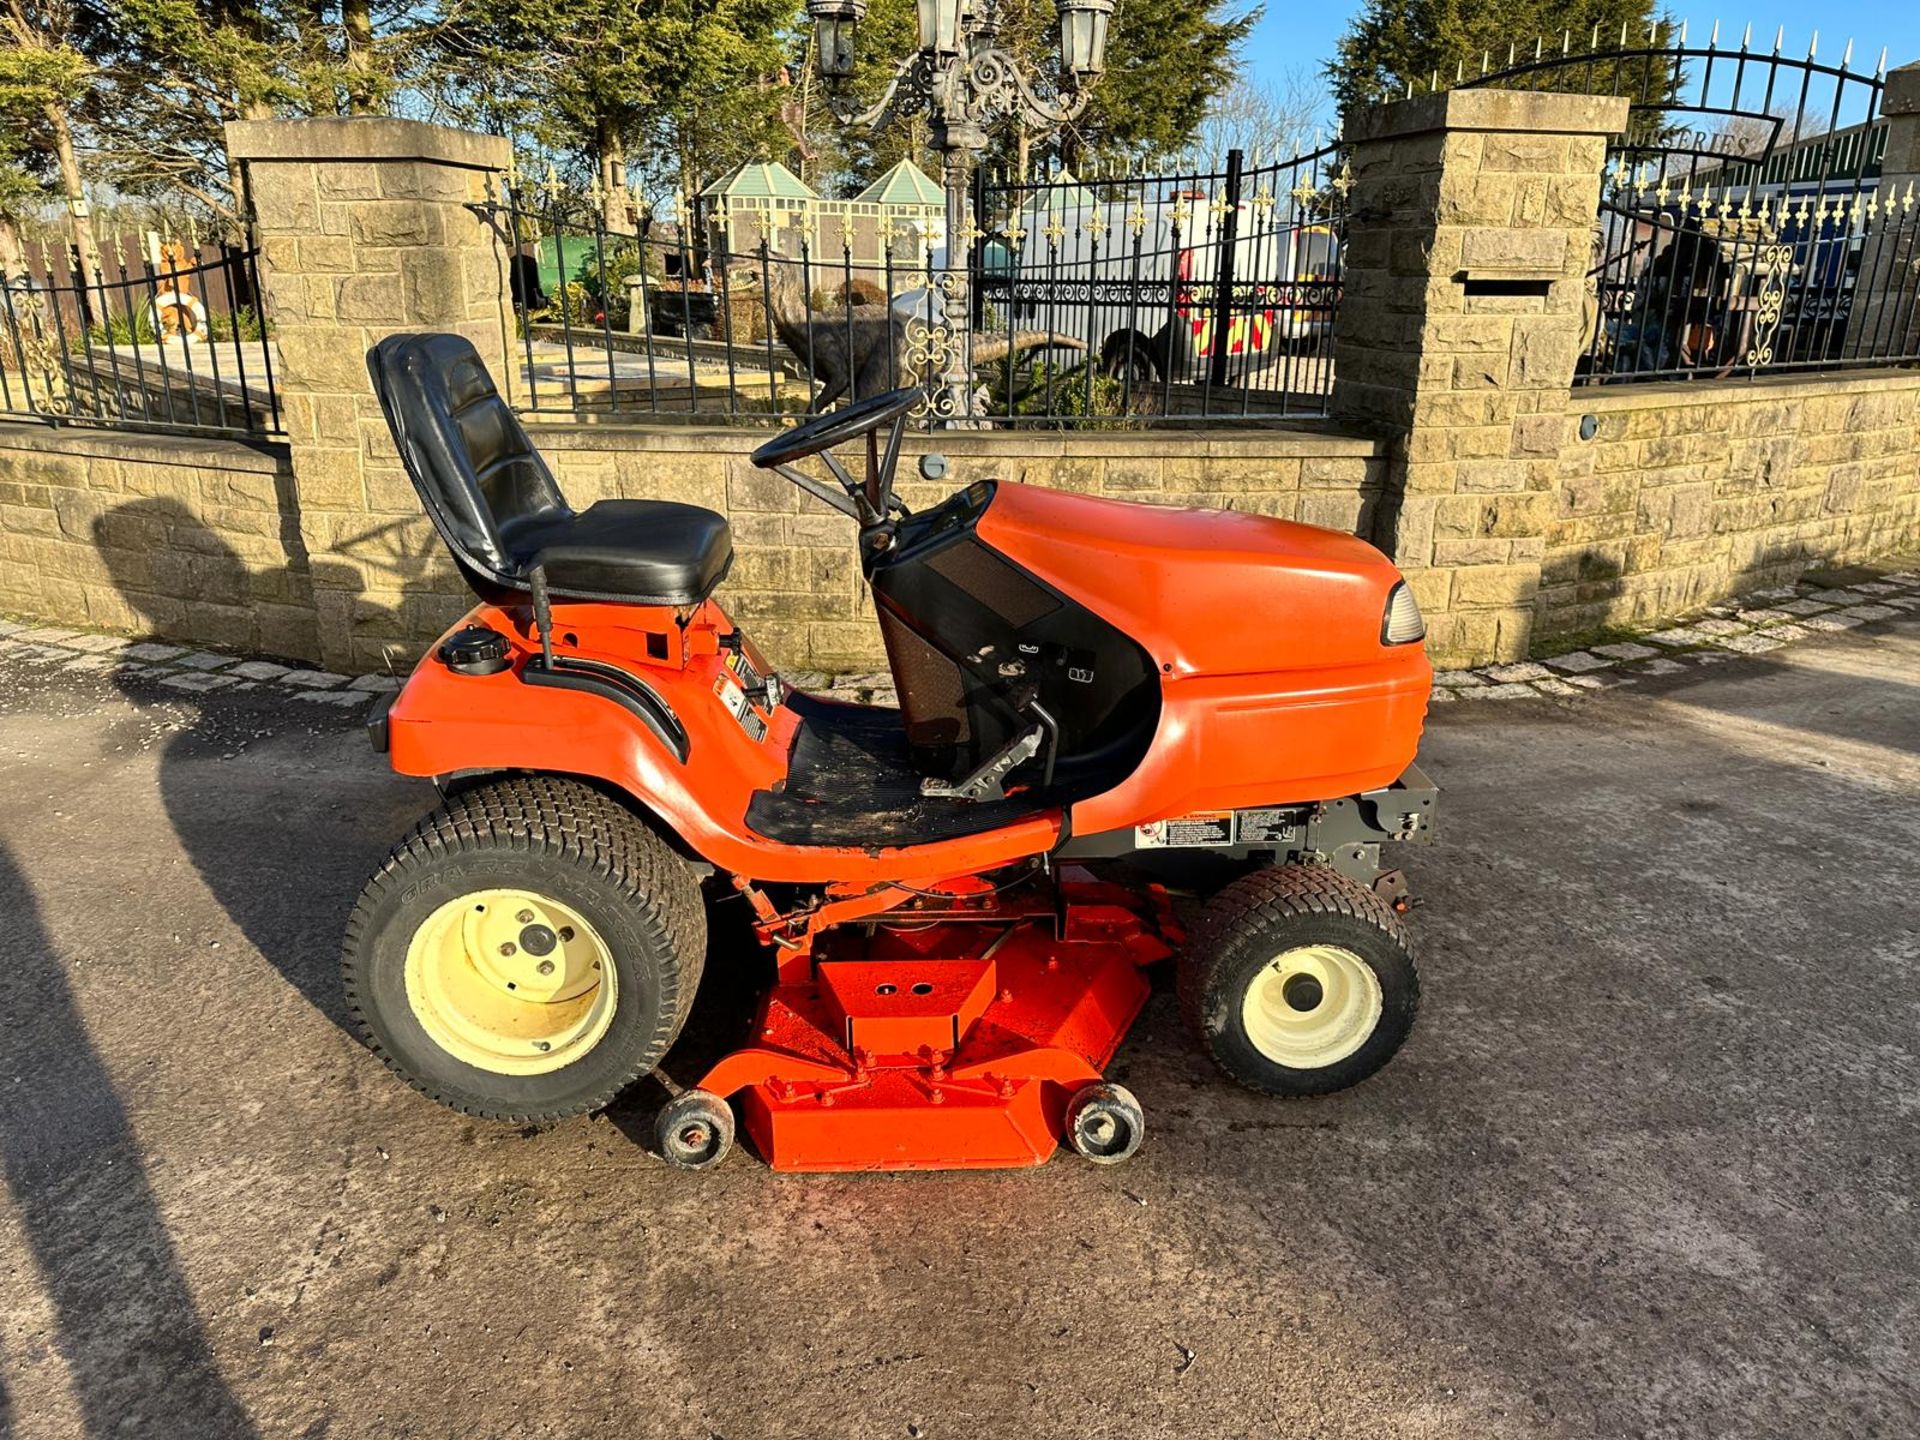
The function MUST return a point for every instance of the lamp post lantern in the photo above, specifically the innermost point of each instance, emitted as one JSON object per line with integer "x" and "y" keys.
{"x": 964, "y": 82}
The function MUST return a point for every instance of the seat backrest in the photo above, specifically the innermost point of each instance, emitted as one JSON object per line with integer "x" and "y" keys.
{"x": 478, "y": 474}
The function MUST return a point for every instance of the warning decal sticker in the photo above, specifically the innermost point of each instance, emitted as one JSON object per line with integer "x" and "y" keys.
{"x": 1204, "y": 827}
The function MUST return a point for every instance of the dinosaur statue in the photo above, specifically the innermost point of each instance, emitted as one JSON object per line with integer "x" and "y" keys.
{"x": 867, "y": 349}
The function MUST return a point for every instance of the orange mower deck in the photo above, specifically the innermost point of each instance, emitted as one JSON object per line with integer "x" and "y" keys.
{"x": 949, "y": 1043}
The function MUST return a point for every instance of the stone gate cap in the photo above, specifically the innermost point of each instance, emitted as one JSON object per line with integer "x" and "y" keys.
{"x": 364, "y": 137}
{"x": 1540, "y": 112}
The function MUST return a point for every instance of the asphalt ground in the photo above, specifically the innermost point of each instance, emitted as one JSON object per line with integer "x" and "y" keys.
{"x": 1646, "y": 1168}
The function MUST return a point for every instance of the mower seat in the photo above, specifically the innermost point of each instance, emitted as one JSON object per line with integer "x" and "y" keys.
{"x": 496, "y": 505}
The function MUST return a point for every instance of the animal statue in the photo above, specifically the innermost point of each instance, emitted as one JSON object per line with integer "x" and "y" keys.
{"x": 868, "y": 349}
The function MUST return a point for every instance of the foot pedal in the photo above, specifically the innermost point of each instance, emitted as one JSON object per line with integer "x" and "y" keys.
{"x": 989, "y": 781}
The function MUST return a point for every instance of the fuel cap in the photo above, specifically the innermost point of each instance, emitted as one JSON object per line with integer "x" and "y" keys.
{"x": 475, "y": 650}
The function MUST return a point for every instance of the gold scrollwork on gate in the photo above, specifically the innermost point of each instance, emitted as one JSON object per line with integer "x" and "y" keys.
{"x": 929, "y": 348}
{"x": 1770, "y": 300}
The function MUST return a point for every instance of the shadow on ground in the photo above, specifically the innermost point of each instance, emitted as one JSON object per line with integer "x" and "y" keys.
{"x": 288, "y": 886}
{"x": 124, "y": 1321}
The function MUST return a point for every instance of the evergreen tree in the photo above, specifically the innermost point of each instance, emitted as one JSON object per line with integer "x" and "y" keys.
{"x": 43, "y": 78}
{"x": 1392, "y": 44}
{"x": 669, "y": 93}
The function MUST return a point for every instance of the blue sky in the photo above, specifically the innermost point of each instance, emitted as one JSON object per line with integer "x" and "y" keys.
{"x": 1293, "y": 36}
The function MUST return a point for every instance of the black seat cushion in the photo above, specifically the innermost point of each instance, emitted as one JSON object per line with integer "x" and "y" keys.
{"x": 496, "y": 505}
{"x": 648, "y": 552}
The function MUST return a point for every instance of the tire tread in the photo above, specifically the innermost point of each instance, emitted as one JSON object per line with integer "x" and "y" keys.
{"x": 1270, "y": 897}
{"x": 570, "y": 820}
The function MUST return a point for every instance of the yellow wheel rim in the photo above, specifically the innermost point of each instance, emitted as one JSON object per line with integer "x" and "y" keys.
{"x": 1311, "y": 1007}
{"x": 511, "y": 982}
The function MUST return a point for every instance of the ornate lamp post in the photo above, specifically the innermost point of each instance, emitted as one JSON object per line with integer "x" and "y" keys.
{"x": 964, "y": 82}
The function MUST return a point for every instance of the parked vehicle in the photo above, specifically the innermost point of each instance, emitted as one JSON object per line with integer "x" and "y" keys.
{"x": 1142, "y": 286}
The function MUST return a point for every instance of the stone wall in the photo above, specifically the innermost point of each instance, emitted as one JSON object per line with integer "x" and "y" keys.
{"x": 367, "y": 229}
{"x": 206, "y": 541}
{"x": 189, "y": 538}
{"x": 1459, "y": 328}
{"x": 1456, "y": 445}
{"x": 796, "y": 584}
{"x": 1685, "y": 494}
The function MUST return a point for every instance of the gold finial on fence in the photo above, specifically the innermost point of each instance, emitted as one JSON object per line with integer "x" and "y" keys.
{"x": 1263, "y": 200}
{"x": 1137, "y": 221}
{"x": 1055, "y": 232}
{"x": 1180, "y": 213}
{"x": 1096, "y": 226}
{"x": 1304, "y": 196}
{"x": 1342, "y": 181}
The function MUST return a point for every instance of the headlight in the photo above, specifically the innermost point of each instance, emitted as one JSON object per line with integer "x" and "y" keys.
{"x": 1402, "y": 624}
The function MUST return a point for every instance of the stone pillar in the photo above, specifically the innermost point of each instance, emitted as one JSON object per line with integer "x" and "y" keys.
{"x": 366, "y": 230}
{"x": 1886, "y": 318}
{"x": 1472, "y": 221}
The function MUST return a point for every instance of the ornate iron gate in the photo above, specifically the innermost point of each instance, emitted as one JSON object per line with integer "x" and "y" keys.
{"x": 1742, "y": 225}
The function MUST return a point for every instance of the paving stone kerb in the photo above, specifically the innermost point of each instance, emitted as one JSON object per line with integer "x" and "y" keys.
{"x": 1460, "y": 325}
{"x": 367, "y": 229}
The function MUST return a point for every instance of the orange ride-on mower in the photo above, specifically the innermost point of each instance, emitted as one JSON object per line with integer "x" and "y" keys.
{"x": 954, "y": 895}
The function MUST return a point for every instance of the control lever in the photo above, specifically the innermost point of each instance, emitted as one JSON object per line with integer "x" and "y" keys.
{"x": 989, "y": 781}
{"x": 766, "y": 693}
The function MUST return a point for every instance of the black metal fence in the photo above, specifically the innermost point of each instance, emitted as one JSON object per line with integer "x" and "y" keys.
{"x": 1743, "y": 228}
{"x": 1123, "y": 299}
{"x": 150, "y": 334}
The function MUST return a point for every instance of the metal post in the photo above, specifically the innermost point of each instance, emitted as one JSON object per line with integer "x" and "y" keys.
{"x": 1227, "y": 239}
{"x": 959, "y": 142}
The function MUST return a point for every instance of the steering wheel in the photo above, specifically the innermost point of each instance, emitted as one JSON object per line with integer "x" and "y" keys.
{"x": 868, "y": 503}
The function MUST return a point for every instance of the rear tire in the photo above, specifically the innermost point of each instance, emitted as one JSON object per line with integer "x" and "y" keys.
{"x": 529, "y": 950}
{"x": 1298, "y": 981}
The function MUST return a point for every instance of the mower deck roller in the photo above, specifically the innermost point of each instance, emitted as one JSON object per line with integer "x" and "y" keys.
{"x": 958, "y": 897}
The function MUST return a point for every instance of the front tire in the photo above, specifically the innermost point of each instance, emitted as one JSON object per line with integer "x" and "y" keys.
{"x": 1299, "y": 981}
{"x": 526, "y": 952}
